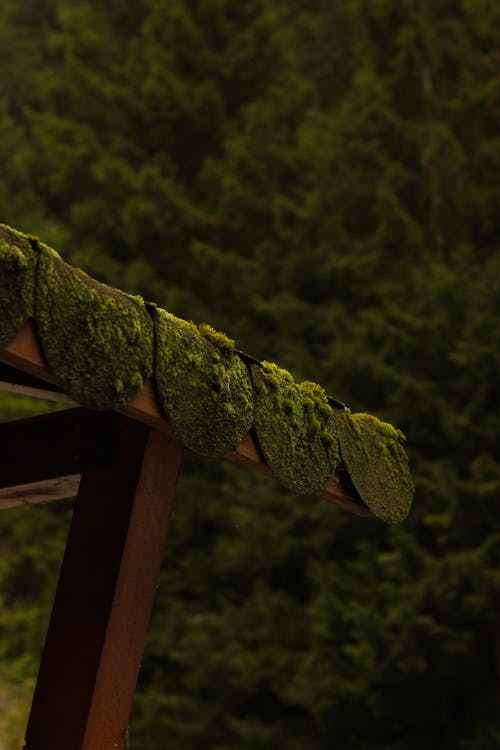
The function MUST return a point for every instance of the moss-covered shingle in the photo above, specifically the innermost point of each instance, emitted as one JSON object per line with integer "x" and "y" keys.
{"x": 296, "y": 429}
{"x": 97, "y": 340}
{"x": 377, "y": 464}
{"x": 204, "y": 387}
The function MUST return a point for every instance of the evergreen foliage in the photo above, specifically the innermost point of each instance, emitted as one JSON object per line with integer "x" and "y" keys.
{"x": 319, "y": 179}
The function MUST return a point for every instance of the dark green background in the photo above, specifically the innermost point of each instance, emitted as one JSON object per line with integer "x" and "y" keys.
{"x": 319, "y": 179}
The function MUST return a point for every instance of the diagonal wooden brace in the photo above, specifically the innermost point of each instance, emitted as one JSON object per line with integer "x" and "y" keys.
{"x": 103, "y": 602}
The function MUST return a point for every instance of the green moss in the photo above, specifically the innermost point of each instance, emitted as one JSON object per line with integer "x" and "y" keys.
{"x": 295, "y": 427}
{"x": 218, "y": 339}
{"x": 377, "y": 464}
{"x": 204, "y": 387}
{"x": 97, "y": 340}
{"x": 276, "y": 375}
{"x": 17, "y": 282}
{"x": 102, "y": 344}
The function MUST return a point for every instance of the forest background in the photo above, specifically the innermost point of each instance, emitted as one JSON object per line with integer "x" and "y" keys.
{"x": 318, "y": 179}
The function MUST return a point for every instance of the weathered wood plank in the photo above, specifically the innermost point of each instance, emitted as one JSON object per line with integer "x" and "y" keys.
{"x": 35, "y": 493}
{"x": 16, "y": 381}
{"x": 103, "y": 602}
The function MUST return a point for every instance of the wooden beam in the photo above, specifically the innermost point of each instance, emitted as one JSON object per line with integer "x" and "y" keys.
{"x": 16, "y": 381}
{"x": 24, "y": 353}
{"x": 56, "y": 445}
{"x": 35, "y": 493}
{"x": 104, "y": 597}
{"x": 43, "y": 457}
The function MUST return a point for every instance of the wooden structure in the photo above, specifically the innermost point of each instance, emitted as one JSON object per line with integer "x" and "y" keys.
{"x": 122, "y": 465}
{"x": 23, "y": 370}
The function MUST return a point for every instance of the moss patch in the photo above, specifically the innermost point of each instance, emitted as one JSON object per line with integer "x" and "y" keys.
{"x": 204, "y": 388}
{"x": 97, "y": 340}
{"x": 17, "y": 282}
{"x": 296, "y": 429}
{"x": 377, "y": 464}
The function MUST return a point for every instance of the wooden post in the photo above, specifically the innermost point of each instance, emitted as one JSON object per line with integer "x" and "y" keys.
{"x": 103, "y": 602}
